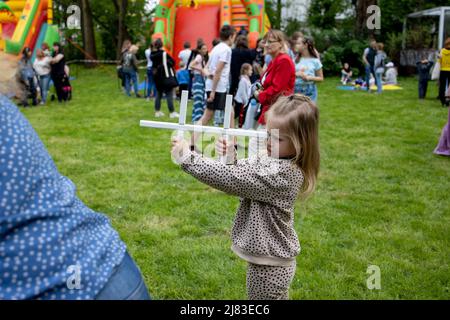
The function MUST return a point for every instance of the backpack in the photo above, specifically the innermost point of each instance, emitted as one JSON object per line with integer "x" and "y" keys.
{"x": 167, "y": 74}
{"x": 127, "y": 61}
{"x": 379, "y": 64}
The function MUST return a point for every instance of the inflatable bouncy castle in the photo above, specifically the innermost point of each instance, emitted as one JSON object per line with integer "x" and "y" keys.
{"x": 26, "y": 23}
{"x": 178, "y": 21}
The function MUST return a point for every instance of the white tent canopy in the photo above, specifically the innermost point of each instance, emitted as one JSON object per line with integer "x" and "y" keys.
{"x": 440, "y": 12}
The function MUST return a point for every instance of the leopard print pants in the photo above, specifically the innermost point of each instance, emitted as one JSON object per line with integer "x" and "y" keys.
{"x": 269, "y": 282}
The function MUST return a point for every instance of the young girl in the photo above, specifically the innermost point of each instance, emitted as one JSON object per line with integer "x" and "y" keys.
{"x": 346, "y": 74}
{"x": 380, "y": 60}
{"x": 197, "y": 67}
{"x": 308, "y": 69}
{"x": 43, "y": 68}
{"x": 263, "y": 233}
{"x": 243, "y": 92}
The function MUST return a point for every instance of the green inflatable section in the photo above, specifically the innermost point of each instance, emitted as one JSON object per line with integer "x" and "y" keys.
{"x": 4, "y": 6}
{"x": 15, "y": 47}
{"x": 52, "y": 35}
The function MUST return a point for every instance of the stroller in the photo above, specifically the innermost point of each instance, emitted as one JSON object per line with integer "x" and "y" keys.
{"x": 29, "y": 87}
{"x": 67, "y": 88}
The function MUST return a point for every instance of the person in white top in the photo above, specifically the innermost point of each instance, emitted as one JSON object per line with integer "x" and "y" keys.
{"x": 150, "y": 90}
{"x": 217, "y": 72}
{"x": 243, "y": 92}
{"x": 186, "y": 53}
{"x": 391, "y": 74}
{"x": 43, "y": 68}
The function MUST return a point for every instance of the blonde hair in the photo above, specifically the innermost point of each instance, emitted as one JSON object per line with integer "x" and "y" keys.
{"x": 245, "y": 68}
{"x": 8, "y": 76}
{"x": 300, "y": 117}
{"x": 40, "y": 53}
{"x": 134, "y": 49}
{"x": 278, "y": 36}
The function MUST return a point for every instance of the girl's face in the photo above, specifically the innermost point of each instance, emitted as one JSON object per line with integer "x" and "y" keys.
{"x": 204, "y": 50}
{"x": 298, "y": 45}
{"x": 346, "y": 65}
{"x": 278, "y": 142}
{"x": 301, "y": 46}
{"x": 250, "y": 71}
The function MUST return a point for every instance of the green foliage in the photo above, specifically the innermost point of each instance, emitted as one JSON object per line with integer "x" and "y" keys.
{"x": 137, "y": 20}
{"x": 394, "y": 12}
{"x": 338, "y": 46}
{"x": 272, "y": 13}
{"x": 293, "y": 25}
{"x": 381, "y": 199}
{"x": 322, "y": 13}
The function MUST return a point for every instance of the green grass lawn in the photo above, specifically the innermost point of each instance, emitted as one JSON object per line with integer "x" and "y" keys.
{"x": 382, "y": 197}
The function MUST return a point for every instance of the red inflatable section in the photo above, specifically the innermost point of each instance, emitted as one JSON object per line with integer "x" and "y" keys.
{"x": 192, "y": 24}
{"x": 8, "y": 30}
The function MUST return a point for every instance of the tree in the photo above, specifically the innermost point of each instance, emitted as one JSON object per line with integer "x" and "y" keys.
{"x": 87, "y": 28}
{"x": 322, "y": 13}
{"x": 361, "y": 14}
{"x": 274, "y": 12}
{"x": 279, "y": 8}
{"x": 121, "y": 9}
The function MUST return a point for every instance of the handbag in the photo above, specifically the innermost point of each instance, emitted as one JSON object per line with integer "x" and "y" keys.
{"x": 169, "y": 80}
{"x": 436, "y": 71}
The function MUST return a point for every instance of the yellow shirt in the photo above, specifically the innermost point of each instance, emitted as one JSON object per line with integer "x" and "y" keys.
{"x": 445, "y": 60}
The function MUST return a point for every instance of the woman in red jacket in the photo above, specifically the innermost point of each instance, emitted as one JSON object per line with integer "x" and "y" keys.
{"x": 279, "y": 78}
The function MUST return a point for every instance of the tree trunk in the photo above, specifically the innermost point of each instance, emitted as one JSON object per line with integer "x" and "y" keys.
{"x": 121, "y": 8}
{"x": 87, "y": 28}
{"x": 279, "y": 8}
{"x": 361, "y": 15}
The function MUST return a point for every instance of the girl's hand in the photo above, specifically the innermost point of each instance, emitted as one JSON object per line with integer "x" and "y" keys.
{"x": 212, "y": 96}
{"x": 226, "y": 149}
{"x": 222, "y": 146}
{"x": 205, "y": 72}
{"x": 180, "y": 147}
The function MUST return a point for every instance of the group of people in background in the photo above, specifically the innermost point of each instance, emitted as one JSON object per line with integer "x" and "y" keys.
{"x": 277, "y": 65}
{"x": 256, "y": 77}
{"x": 378, "y": 69}
{"x": 443, "y": 147}
{"x": 36, "y": 77}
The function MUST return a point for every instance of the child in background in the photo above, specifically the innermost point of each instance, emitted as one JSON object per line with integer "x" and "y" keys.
{"x": 308, "y": 69}
{"x": 183, "y": 79}
{"x": 243, "y": 92}
{"x": 390, "y": 76}
{"x": 379, "y": 66}
{"x": 27, "y": 78}
{"x": 130, "y": 71}
{"x": 346, "y": 74}
{"x": 268, "y": 186}
{"x": 423, "y": 69}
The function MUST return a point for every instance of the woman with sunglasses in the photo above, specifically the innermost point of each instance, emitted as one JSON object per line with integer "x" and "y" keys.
{"x": 279, "y": 78}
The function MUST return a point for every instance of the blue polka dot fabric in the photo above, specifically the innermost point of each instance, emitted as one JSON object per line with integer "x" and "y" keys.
{"x": 52, "y": 246}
